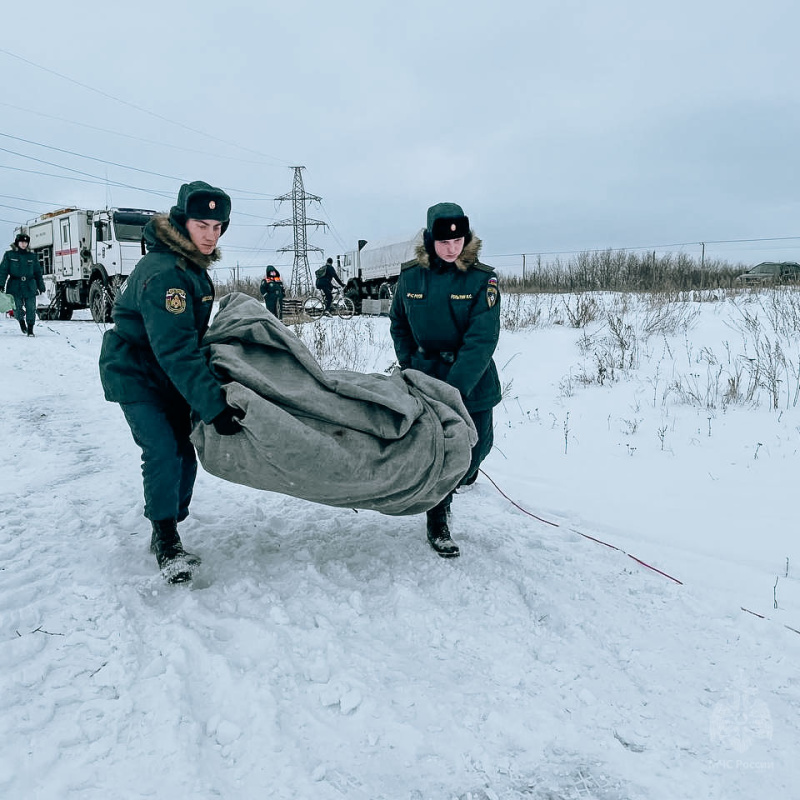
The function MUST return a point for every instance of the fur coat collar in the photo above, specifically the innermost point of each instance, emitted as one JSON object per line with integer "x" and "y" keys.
{"x": 468, "y": 258}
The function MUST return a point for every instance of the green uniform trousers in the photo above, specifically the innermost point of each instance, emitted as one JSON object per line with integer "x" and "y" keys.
{"x": 169, "y": 462}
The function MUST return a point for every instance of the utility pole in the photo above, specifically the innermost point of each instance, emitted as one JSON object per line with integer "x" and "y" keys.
{"x": 300, "y": 283}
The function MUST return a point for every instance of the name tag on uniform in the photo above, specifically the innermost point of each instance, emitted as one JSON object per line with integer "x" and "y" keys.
{"x": 461, "y": 297}
{"x": 415, "y": 296}
{"x": 207, "y": 298}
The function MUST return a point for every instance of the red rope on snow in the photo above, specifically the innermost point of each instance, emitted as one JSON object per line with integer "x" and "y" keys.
{"x": 580, "y": 533}
{"x": 655, "y": 569}
{"x": 613, "y": 547}
{"x": 599, "y": 541}
{"x": 516, "y": 505}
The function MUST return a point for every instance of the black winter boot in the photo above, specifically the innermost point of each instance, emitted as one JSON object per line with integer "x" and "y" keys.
{"x": 30, "y": 329}
{"x": 439, "y": 534}
{"x": 175, "y": 563}
{"x": 22, "y": 326}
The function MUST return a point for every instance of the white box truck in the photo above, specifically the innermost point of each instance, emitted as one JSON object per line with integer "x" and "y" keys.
{"x": 85, "y": 256}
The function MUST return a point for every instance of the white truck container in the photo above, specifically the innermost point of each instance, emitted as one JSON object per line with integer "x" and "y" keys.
{"x": 85, "y": 256}
{"x": 371, "y": 271}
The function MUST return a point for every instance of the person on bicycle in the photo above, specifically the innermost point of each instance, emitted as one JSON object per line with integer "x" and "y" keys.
{"x": 445, "y": 322}
{"x": 326, "y": 275}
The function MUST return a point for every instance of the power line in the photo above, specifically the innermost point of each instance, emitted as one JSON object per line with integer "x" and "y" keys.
{"x": 17, "y": 208}
{"x": 100, "y": 181}
{"x": 62, "y": 120}
{"x": 30, "y": 200}
{"x": 336, "y": 235}
{"x": 106, "y": 181}
{"x": 140, "y": 108}
{"x": 115, "y": 164}
{"x": 168, "y": 195}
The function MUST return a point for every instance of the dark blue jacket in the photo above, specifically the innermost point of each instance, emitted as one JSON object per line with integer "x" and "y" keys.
{"x": 325, "y": 281}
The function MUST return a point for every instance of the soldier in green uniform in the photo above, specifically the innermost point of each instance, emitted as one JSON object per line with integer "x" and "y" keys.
{"x": 151, "y": 362}
{"x": 21, "y": 275}
{"x": 445, "y": 322}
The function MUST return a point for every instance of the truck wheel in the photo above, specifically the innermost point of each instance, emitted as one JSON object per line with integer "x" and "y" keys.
{"x": 99, "y": 303}
{"x": 59, "y": 308}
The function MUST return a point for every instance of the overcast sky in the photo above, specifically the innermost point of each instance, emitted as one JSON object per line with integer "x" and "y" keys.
{"x": 558, "y": 126}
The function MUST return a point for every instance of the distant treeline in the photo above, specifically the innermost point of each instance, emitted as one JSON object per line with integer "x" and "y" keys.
{"x": 608, "y": 270}
{"x": 624, "y": 271}
{"x": 246, "y": 285}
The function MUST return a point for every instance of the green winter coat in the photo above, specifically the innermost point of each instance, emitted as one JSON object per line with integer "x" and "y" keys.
{"x": 160, "y": 316}
{"x": 22, "y": 270}
{"x": 445, "y": 322}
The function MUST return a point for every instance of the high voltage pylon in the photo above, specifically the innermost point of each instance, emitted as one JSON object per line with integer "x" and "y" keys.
{"x": 300, "y": 283}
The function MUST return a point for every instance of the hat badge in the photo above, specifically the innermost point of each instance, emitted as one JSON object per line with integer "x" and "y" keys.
{"x": 452, "y": 226}
{"x": 212, "y": 204}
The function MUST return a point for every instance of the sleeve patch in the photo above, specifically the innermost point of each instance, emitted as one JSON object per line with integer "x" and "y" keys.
{"x": 491, "y": 295}
{"x": 176, "y": 301}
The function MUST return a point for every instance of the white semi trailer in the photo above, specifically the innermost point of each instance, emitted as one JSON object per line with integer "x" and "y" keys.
{"x": 372, "y": 270}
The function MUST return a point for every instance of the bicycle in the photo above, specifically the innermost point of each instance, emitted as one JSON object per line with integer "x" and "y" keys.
{"x": 341, "y": 306}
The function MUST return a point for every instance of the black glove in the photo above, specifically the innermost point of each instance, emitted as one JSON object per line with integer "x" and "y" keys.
{"x": 227, "y": 422}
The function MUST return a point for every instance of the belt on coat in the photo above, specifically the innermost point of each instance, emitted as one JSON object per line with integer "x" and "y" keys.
{"x": 448, "y": 356}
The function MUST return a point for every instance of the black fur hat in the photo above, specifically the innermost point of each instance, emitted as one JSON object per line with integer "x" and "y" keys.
{"x": 447, "y": 221}
{"x": 199, "y": 200}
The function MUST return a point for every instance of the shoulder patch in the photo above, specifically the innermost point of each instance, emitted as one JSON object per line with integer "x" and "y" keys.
{"x": 176, "y": 301}
{"x": 491, "y": 292}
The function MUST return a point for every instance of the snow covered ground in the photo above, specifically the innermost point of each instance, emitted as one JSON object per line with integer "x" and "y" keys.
{"x": 325, "y": 653}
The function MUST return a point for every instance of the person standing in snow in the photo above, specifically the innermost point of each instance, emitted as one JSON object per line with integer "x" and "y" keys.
{"x": 273, "y": 291}
{"x": 445, "y": 322}
{"x": 151, "y": 362}
{"x": 326, "y": 275}
{"x": 23, "y": 272}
